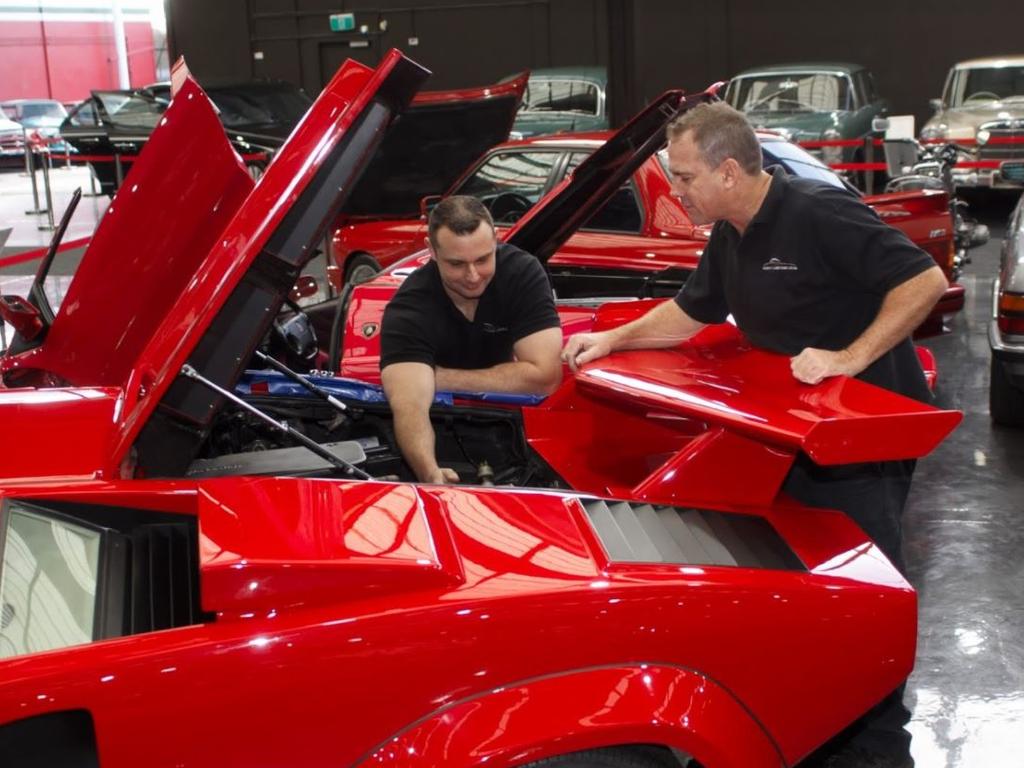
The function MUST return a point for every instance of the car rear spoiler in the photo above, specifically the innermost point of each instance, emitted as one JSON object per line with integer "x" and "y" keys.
{"x": 745, "y": 417}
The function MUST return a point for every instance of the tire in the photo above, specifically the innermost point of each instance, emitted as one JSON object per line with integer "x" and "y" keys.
{"x": 1005, "y": 401}
{"x": 615, "y": 757}
{"x": 360, "y": 267}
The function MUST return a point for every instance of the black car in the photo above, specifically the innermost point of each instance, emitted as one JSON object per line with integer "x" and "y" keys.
{"x": 113, "y": 125}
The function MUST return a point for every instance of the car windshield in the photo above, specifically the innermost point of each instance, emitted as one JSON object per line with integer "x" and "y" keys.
{"x": 241, "y": 106}
{"x": 40, "y": 109}
{"x": 544, "y": 95}
{"x": 131, "y": 110}
{"x": 990, "y": 84}
{"x": 793, "y": 92}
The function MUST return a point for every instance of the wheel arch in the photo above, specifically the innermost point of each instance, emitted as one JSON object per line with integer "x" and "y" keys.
{"x": 639, "y": 704}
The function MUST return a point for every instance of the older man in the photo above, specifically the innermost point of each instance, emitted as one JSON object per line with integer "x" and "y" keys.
{"x": 478, "y": 316}
{"x": 807, "y": 270}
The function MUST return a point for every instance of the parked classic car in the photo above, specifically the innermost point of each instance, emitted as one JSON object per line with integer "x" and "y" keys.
{"x": 12, "y": 141}
{"x": 641, "y": 243}
{"x": 159, "y": 605}
{"x": 1006, "y": 329}
{"x": 982, "y": 108}
{"x": 561, "y": 100}
{"x": 257, "y": 115}
{"x": 43, "y": 116}
{"x": 811, "y": 102}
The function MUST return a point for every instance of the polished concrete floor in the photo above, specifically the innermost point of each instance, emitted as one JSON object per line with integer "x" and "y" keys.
{"x": 964, "y": 525}
{"x": 964, "y": 542}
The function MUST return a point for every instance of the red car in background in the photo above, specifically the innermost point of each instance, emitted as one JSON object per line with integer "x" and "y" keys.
{"x": 640, "y": 243}
{"x": 177, "y": 576}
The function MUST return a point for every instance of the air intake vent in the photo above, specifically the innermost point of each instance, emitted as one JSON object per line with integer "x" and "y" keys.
{"x": 644, "y": 533}
{"x": 164, "y": 588}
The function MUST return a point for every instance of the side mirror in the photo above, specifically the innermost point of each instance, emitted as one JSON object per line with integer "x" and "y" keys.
{"x": 305, "y": 287}
{"x": 880, "y": 124}
{"x": 22, "y": 316}
{"x": 428, "y": 203}
{"x": 937, "y": 104}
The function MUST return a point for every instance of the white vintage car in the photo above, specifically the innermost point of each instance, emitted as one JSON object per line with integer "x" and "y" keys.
{"x": 982, "y": 109}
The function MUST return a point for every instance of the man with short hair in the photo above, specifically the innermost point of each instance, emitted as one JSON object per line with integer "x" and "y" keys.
{"x": 478, "y": 317}
{"x": 807, "y": 270}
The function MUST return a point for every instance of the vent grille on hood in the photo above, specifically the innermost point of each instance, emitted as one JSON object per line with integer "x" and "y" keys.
{"x": 646, "y": 533}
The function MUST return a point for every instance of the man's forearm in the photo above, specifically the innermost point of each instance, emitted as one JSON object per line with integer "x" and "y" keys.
{"x": 416, "y": 440}
{"x": 902, "y": 310}
{"x": 515, "y": 377}
{"x": 664, "y": 326}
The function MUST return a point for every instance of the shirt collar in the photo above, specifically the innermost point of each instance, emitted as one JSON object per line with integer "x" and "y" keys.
{"x": 773, "y": 199}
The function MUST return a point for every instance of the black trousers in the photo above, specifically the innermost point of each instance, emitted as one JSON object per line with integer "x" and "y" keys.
{"x": 873, "y": 496}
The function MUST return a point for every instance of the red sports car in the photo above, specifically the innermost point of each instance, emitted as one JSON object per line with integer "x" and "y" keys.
{"x": 188, "y": 578}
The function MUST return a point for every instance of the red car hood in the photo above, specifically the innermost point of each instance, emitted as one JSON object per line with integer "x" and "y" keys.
{"x": 192, "y": 262}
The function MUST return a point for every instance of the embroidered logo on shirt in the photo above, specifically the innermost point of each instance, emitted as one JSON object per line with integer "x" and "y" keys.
{"x": 491, "y": 328}
{"x": 776, "y": 265}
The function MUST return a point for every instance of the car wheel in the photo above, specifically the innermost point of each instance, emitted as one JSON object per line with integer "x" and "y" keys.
{"x": 360, "y": 267}
{"x": 1005, "y": 401}
{"x": 616, "y": 757}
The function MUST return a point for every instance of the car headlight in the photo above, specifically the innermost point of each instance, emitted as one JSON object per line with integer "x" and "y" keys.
{"x": 831, "y": 155}
{"x": 937, "y": 131}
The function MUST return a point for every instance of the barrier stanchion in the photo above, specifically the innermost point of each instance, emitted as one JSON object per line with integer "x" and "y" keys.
{"x": 30, "y": 169}
{"x": 118, "y": 171}
{"x": 49, "y": 195}
{"x": 869, "y": 158}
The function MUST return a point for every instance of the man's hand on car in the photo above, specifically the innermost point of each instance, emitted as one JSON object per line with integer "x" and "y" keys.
{"x": 812, "y": 366}
{"x": 584, "y": 347}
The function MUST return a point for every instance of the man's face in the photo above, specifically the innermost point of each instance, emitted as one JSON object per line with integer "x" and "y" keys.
{"x": 466, "y": 262}
{"x": 700, "y": 189}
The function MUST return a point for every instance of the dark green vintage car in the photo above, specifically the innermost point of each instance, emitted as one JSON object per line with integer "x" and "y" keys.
{"x": 561, "y": 100}
{"x": 810, "y": 102}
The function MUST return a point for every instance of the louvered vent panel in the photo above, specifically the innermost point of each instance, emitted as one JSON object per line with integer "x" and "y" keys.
{"x": 644, "y": 533}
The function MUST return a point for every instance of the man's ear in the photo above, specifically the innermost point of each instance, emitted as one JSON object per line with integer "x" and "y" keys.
{"x": 730, "y": 172}
{"x": 430, "y": 247}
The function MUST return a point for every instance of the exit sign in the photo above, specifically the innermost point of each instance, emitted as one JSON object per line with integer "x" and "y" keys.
{"x": 343, "y": 22}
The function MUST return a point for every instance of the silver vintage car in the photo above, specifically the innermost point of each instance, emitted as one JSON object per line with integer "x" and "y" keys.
{"x": 982, "y": 109}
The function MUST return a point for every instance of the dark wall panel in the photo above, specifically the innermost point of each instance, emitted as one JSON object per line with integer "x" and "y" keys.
{"x": 474, "y": 42}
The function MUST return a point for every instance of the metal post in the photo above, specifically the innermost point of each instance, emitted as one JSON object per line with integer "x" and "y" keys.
{"x": 49, "y": 196}
{"x": 118, "y": 171}
{"x": 869, "y": 157}
{"x": 30, "y": 169}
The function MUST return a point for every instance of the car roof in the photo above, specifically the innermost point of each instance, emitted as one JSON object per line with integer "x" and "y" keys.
{"x": 991, "y": 62}
{"x": 13, "y": 102}
{"x": 596, "y": 73}
{"x": 844, "y": 67}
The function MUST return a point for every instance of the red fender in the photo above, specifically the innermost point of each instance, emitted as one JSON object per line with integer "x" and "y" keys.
{"x": 544, "y": 717}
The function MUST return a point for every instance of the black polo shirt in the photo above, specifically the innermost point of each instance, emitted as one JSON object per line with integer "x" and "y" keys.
{"x": 811, "y": 270}
{"x": 422, "y": 325}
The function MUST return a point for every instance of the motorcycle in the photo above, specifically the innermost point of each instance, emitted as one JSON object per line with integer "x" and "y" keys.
{"x": 913, "y": 166}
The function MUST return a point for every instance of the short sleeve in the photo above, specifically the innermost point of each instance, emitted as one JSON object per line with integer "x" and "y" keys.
{"x": 403, "y": 335}
{"x": 702, "y": 296}
{"x": 874, "y": 255}
{"x": 533, "y": 302}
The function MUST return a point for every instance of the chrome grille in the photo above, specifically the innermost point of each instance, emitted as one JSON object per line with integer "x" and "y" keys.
{"x": 999, "y": 130}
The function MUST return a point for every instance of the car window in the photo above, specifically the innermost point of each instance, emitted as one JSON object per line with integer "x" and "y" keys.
{"x": 986, "y": 84}
{"x": 560, "y": 96}
{"x": 797, "y": 92}
{"x": 798, "y": 162}
{"x": 36, "y": 110}
{"x": 84, "y": 114}
{"x": 620, "y": 214}
{"x": 509, "y": 183}
{"x": 872, "y": 89}
{"x": 131, "y": 110}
